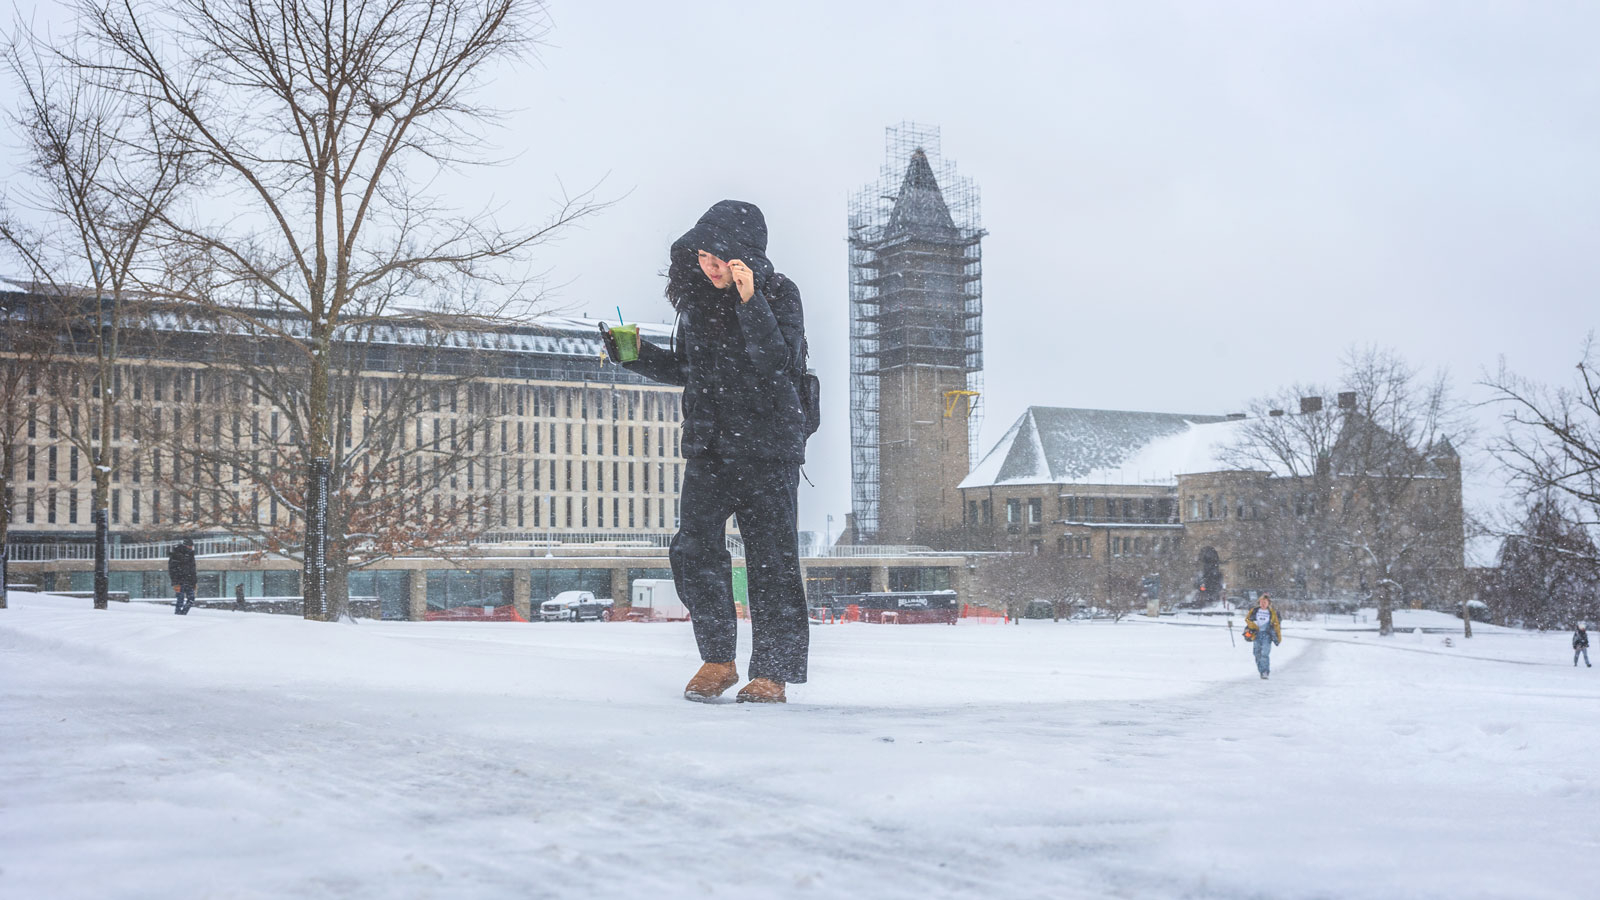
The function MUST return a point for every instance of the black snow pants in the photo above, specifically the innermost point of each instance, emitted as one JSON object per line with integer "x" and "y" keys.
{"x": 762, "y": 493}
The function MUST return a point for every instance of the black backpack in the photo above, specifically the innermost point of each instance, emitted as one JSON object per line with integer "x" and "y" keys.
{"x": 806, "y": 383}
{"x": 810, "y": 390}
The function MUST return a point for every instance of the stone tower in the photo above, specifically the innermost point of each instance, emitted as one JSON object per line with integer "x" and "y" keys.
{"x": 916, "y": 345}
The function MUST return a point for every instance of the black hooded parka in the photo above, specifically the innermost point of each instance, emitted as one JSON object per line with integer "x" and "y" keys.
{"x": 743, "y": 441}
{"x": 180, "y": 566}
{"x": 736, "y": 361}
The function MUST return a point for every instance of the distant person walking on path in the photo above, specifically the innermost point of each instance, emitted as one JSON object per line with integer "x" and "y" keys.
{"x": 180, "y": 568}
{"x": 1263, "y": 631}
{"x": 1580, "y": 644}
{"x": 738, "y": 352}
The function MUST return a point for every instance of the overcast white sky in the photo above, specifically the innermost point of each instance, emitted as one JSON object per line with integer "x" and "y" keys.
{"x": 1189, "y": 204}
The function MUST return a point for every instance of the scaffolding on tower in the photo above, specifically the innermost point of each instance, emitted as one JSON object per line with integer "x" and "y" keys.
{"x": 873, "y": 232}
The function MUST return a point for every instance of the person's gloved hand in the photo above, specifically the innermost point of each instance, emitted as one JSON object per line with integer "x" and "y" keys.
{"x": 610, "y": 342}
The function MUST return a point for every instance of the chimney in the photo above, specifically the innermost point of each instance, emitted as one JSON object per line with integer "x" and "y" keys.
{"x": 1347, "y": 400}
{"x": 1275, "y": 413}
{"x": 1310, "y": 405}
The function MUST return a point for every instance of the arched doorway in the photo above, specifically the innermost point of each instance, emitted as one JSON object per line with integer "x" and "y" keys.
{"x": 1209, "y": 580}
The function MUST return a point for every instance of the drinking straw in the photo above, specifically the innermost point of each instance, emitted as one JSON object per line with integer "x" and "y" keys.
{"x": 619, "y": 316}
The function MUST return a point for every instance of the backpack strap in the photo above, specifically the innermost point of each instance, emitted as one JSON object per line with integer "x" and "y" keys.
{"x": 775, "y": 283}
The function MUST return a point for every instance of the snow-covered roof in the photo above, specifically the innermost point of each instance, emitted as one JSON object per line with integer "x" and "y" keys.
{"x": 549, "y": 335}
{"x": 1050, "y": 445}
{"x": 1199, "y": 448}
{"x": 553, "y": 335}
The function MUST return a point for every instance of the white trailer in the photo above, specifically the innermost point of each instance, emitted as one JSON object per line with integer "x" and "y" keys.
{"x": 656, "y": 600}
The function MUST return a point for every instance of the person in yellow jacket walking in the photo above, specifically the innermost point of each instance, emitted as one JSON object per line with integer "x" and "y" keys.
{"x": 1262, "y": 629}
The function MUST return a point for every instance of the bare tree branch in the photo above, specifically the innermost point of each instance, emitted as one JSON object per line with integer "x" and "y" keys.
{"x": 323, "y": 123}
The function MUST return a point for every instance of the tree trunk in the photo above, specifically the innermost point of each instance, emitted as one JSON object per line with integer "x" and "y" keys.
{"x": 1385, "y": 608}
{"x": 338, "y": 590}
{"x": 1466, "y": 618}
{"x": 102, "y": 567}
{"x": 102, "y": 498}
{"x": 317, "y": 442}
{"x": 7, "y": 491}
{"x": 314, "y": 577}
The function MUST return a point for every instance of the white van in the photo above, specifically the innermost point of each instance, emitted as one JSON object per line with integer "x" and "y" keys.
{"x": 656, "y": 600}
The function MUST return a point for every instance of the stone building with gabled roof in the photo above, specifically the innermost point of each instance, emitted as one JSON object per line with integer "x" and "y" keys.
{"x": 1133, "y": 503}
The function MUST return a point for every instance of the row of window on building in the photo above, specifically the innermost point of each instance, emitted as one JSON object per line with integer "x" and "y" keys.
{"x": 197, "y": 386}
{"x": 516, "y": 478}
{"x": 1205, "y": 507}
{"x": 1030, "y": 511}
{"x": 435, "y": 433}
{"x": 53, "y": 471}
{"x": 147, "y": 508}
{"x": 1082, "y": 545}
{"x": 1149, "y": 510}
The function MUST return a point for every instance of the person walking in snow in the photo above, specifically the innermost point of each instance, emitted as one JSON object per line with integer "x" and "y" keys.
{"x": 181, "y": 569}
{"x": 1580, "y": 644}
{"x": 737, "y": 351}
{"x": 1263, "y": 631}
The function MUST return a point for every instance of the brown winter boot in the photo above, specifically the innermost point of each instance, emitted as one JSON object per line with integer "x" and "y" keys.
{"x": 762, "y": 690}
{"x": 709, "y": 683}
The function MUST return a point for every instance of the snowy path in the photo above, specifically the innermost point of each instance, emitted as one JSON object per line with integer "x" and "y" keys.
{"x": 248, "y": 756}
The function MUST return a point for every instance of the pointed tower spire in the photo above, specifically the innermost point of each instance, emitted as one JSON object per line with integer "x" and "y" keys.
{"x": 920, "y": 208}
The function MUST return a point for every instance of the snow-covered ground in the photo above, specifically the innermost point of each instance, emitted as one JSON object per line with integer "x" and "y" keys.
{"x": 240, "y": 755}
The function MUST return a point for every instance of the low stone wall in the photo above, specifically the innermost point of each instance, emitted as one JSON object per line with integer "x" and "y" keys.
{"x": 360, "y": 607}
{"x": 114, "y": 596}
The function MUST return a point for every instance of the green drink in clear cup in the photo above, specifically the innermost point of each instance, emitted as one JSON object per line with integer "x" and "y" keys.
{"x": 627, "y": 338}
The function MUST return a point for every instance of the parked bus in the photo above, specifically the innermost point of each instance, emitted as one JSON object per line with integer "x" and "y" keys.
{"x": 898, "y": 607}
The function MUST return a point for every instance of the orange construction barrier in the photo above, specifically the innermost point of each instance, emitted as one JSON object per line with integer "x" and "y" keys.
{"x": 982, "y": 615}
{"x": 473, "y": 614}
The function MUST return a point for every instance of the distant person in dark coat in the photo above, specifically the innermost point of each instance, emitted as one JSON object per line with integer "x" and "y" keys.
{"x": 1580, "y": 644}
{"x": 737, "y": 350}
{"x": 180, "y": 568}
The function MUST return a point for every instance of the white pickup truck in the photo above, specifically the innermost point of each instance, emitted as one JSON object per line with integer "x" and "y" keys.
{"x": 575, "y": 606}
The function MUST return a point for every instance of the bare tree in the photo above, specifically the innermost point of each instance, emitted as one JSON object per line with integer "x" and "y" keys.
{"x": 1550, "y": 447}
{"x": 1294, "y": 446}
{"x": 1013, "y": 580}
{"x": 105, "y": 167}
{"x": 1017, "y": 578}
{"x": 1368, "y": 490}
{"x": 417, "y": 464}
{"x": 1551, "y": 441}
{"x": 323, "y": 124}
{"x": 1548, "y": 577}
{"x": 1124, "y": 592}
